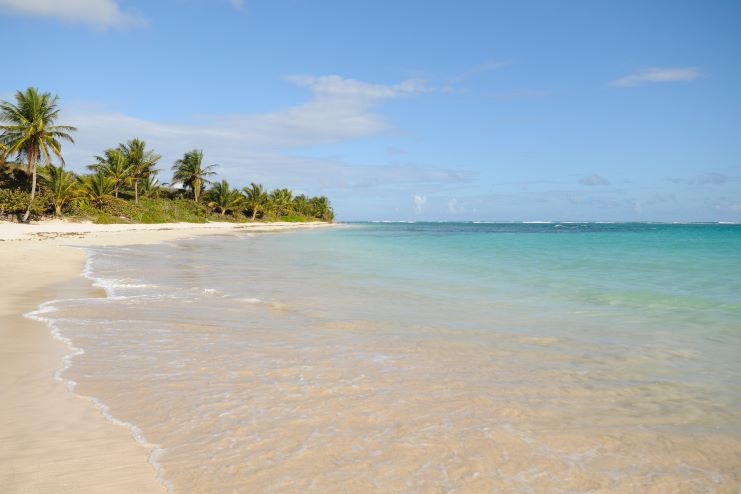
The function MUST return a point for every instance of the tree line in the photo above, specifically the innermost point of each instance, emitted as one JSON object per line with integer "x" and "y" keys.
{"x": 123, "y": 174}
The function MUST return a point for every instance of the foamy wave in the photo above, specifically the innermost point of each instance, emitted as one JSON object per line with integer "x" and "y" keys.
{"x": 276, "y": 306}
{"x": 156, "y": 451}
{"x": 37, "y": 315}
{"x": 109, "y": 285}
{"x": 49, "y": 307}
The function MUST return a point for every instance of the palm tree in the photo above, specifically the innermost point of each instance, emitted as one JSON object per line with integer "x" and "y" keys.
{"x": 141, "y": 162}
{"x": 190, "y": 172}
{"x": 280, "y": 200}
{"x": 30, "y": 132}
{"x": 320, "y": 208}
{"x": 222, "y": 196}
{"x": 3, "y": 153}
{"x": 256, "y": 199}
{"x": 96, "y": 187}
{"x": 150, "y": 187}
{"x": 62, "y": 186}
{"x": 113, "y": 164}
{"x": 300, "y": 204}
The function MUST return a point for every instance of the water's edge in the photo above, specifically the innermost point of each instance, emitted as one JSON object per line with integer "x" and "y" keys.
{"x": 155, "y": 450}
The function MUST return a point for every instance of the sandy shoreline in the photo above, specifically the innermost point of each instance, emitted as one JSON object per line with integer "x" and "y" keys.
{"x": 52, "y": 440}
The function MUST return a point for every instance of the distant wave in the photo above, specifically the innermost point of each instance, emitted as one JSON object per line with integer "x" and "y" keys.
{"x": 391, "y": 221}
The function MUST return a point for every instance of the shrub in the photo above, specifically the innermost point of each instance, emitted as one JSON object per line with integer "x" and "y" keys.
{"x": 171, "y": 211}
{"x": 13, "y": 203}
{"x": 107, "y": 210}
{"x": 14, "y": 177}
{"x": 296, "y": 218}
{"x": 119, "y": 208}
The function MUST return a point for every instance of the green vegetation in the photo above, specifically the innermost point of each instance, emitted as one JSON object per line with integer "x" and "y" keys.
{"x": 190, "y": 172}
{"x": 122, "y": 186}
{"x": 29, "y": 132}
{"x": 256, "y": 199}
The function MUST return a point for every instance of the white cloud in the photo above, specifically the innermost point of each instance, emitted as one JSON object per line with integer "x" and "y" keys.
{"x": 727, "y": 205}
{"x": 339, "y": 109}
{"x": 711, "y": 178}
{"x": 266, "y": 147}
{"x": 237, "y": 4}
{"x": 454, "y": 207}
{"x": 479, "y": 69}
{"x": 419, "y": 203}
{"x": 100, "y": 14}
{"x": 657, "y": 74}
{"x": 593, "y": 180}
{"x": 708, "y": 178}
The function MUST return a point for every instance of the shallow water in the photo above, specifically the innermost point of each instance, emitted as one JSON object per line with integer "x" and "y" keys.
{"x": 424, "y": 357}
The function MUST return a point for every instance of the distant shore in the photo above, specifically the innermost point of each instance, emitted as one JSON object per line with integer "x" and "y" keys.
{"x": 52, "y": 440}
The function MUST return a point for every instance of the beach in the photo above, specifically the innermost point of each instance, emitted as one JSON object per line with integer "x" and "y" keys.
{"x": 374, "y": 357}
{"x": 52, "y": 440}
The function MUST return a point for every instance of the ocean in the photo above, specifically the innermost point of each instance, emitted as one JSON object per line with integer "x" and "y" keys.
{"x": 422, "y": 357}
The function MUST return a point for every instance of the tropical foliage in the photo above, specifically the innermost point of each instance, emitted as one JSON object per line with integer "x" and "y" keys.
{"x": 114, "y": 165}
{"x": 95, "y": 188}
{"x": 223, "y": 198}
{"x": 62, "y": 186}
{"x": 190, "y": 172}
{"x": 255, "y": 199}
{"x": 122, "y": 185}
{"x": 29, "y": 132}
{"x": 140, "y": 162}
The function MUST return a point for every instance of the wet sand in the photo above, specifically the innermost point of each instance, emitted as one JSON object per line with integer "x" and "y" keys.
{"x": 52, "y": 440}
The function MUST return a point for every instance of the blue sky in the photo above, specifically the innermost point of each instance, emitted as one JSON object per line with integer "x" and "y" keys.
{"x": 411, "y": 110}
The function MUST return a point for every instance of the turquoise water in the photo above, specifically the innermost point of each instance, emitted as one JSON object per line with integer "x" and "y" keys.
{"x": 424, "y": 357}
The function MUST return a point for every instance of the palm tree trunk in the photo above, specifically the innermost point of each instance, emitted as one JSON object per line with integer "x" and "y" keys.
{"x": 136, "y": 192}
{"x": 254, "y": 213}
{"x": 196, "y": 189}
{"x": 58, "y": 210}
{"x": 32, "y": 167}
{"x": 115, "y": 192}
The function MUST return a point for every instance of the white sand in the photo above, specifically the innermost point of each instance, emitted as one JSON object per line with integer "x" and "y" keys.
{"x": 52, "y": 440}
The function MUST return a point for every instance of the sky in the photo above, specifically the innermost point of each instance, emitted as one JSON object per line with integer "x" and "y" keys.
{"x": 409, "y": 110}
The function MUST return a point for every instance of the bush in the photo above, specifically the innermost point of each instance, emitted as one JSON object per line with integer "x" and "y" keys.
{"x": 112, "y": 210}
{"x": 171, "y": 211}
{"x": 107, "y": 210}
{"x": 119, "y": 208}
{"x": 296, "y": 218}
{"x": 14, "y": 177}
{"x": 87, "y": 212}
{"x": 13, "y": 204}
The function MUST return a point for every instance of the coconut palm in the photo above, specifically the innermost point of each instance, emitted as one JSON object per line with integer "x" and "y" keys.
{"x": 320, "y": 208}
{"x": 115, "y": 165}
{"x": 300, "y": 204}
{"x": 30, "y": 133}
{"x": 3, "y": 153}
{"x": 61, "y": 184}
{"x": 280, "y": 201}
{"x": 223, "y": 197}
{"x": 150, "y": 187}
{"x": 256, "y": 199}
{"x": 190, "y": 172}
{"x": 94, "y": 188}
{"x": 141, "y": 163}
